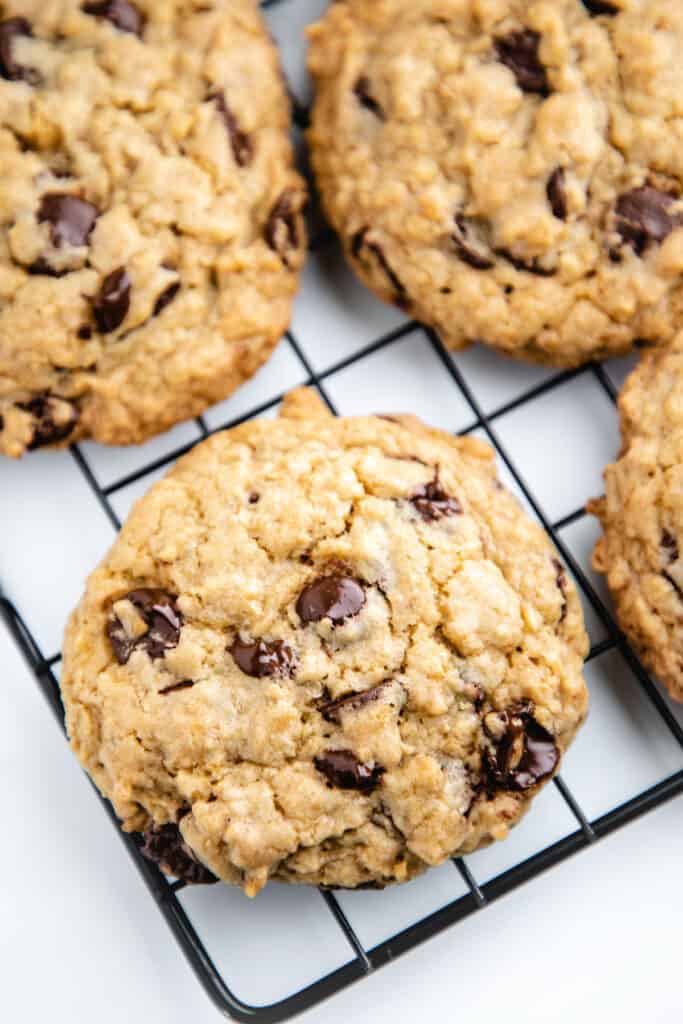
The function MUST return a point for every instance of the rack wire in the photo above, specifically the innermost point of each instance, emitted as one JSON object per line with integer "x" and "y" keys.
{"x": 362, "y": 961}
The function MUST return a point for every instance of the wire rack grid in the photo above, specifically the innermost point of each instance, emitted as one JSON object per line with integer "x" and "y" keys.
{"x": 364, "y": 357}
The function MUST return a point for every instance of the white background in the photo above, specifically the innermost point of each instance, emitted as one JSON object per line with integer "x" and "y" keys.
{"x": 596, "y": 939}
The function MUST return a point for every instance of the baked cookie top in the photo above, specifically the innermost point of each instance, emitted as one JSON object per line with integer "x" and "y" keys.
{"x": 508, "y": 171}
{"x": 642, "y": 515}
{"x": 150, "y": 217}
{"x": 325, "y": 650}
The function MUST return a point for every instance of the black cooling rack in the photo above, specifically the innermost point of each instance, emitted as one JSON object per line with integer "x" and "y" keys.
{"x": 477, "y": 897}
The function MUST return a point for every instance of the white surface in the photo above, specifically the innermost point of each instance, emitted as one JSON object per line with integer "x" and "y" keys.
{"x": 81, "y": 939}
{"x": 596, "y": 939}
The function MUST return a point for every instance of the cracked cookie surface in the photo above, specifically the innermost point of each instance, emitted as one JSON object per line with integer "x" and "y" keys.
{"x": 330, "y": 651}
{"x": 508, "y": 172}
{"x": 150, "y": 217}
{"x": 641, "y": 549}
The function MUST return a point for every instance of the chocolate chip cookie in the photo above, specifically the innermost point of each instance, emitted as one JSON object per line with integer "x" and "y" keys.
{"x": 508, "y": 171}
{"x": 642, "y": 515}
{"x": 331, "y": 651}
{"x": 150, "y": 217}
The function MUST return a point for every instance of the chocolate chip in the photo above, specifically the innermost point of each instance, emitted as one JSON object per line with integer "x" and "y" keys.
{"x": 469, "y": 245}
{"x": 519, "y": 52}
{"x": 85, "y": 332}
{"x": 55, "y": 419}
{"x": 166, "y": 298}
{"x": 642, "y": 217}
{"x": 399, "y": 288}
{"x": 528, "y": 266}
{"x": 669, "y": 546}
{"x": 254, "y": 498}
{"x": 330, "y": 597}
{"x": 240, "y": 142}
{"x": 111, "y": 304}
{"x": 282, "y": 227}
{"x": 556, "y": 193}
{"x": 359, "y": 242}
{"x": 41, "y": 268}
{"x": 162, "y": 617}
{"x": 331, "y": 709}
{"x": 561, "y": 581}
{"x": 164, "y": 846}
{"x": 186, "y": 684}
{"x": 343, "y": 770}
{"x": 72, "y": 219}
{"x": 11, "y": 29}
{"x": 263, "y": 658}
{"x": 525, "y": 755}
{"x": 600, "y": 7}
{"x": 433, "y": 503}
{"x": 121, "y": 13}
{"x": 362, "y": 92}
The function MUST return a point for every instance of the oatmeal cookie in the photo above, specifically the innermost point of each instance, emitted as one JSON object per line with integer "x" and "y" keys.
{"x": 508, "y": 171}
{"x": 150, "y": 217}
{"x": 331, "y": 651}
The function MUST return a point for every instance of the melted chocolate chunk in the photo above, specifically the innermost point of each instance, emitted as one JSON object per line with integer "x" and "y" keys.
{"x": 282, "y": 227}
{"x": 11, "y": 29}
{"x": 359, "y": 242}
{"x": 600, "y": 7}
{"x": 166, "y": 298}
{"x": 557, "y": 196}
{"x": 525, "y": 755}
{"x": 55, "y": 419}
{"x": 263, "y": 658}
{"x": 111, "y": 304}
{"x": 433, "y": 503}
{"x": 121, "y": 13}
{"x": 670, "y": 552}
{"x": 643, "y": 217}
{"x": 519, "y": 52}
{"x": 331, "y": 709}
{"x": 528, "y": 266}
{"x": 669, "y": 546}
{"x": 186, "y": 684}
{"x": 240, "y": 142}
{"x": 394, "y": 279}
{"x": 363, "y": 94}
{"x": 343, "y": 770}
{"x": 41, "y": 268}
{"x": 561, "y": 581}
{"x": 72, "y": 219}
{"x": 330, "y": 597}
{"x": 471, "y": 248}
{"x": 162, "y": 617}
{"x": 165, "y": 847}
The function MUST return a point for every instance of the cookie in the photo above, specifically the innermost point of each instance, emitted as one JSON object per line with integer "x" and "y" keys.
{"x": 508, "y": 171}
{"x": 642, "y": 515}
{"x": 150, "y": 217}
{"x": 330, "y": 651}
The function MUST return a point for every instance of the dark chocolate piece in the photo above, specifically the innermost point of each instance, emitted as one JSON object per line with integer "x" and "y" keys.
{"x": 332, "y": 597}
